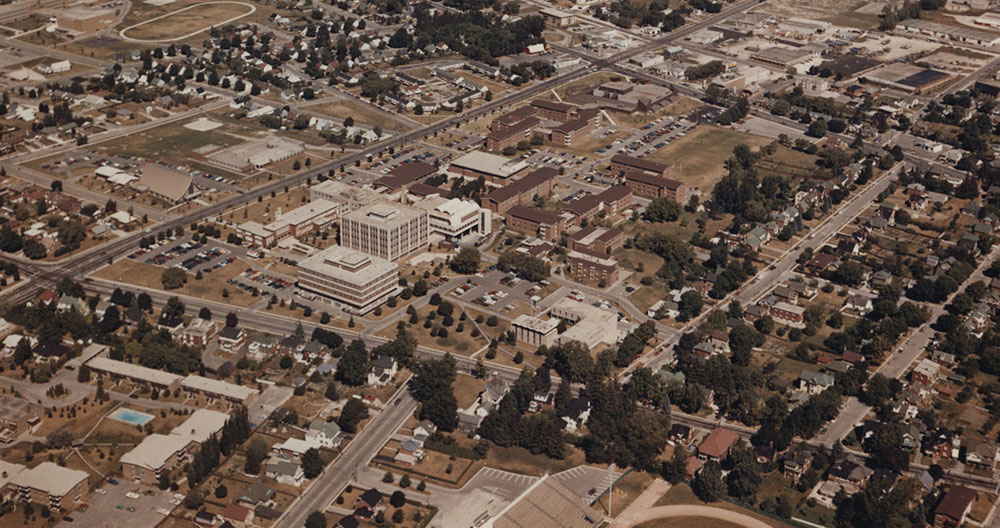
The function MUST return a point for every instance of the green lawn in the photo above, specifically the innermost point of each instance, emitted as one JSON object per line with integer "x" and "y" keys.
{"x": 698, "y": 159}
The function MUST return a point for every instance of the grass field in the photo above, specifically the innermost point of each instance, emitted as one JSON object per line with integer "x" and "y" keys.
{"x": 209, "y": 288}
{"x": 361, "y": 113}
{"x": 698, "y": 158}
{"x": 186, "y": 20}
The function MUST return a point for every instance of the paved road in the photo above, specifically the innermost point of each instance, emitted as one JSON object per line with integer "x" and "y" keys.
{"x": 900, "y": 360}
{"x": 354, "y": 458}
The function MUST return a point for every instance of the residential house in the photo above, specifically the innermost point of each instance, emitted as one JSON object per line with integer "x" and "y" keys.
{"x": 717, "y": 444}
{"x": 382, "y": 371}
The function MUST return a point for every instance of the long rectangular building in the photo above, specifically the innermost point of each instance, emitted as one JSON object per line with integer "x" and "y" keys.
{"x": 537, "y": 183}
{"x": 136, "y": 374}
{"x": 535, "y": 222}
{"x": 385, "y": 230}
{"x": 356, "y": 282}
{"x": 50, "y": 485}
{"x": 311, "y": 217}
{"x": 497, "y": 171}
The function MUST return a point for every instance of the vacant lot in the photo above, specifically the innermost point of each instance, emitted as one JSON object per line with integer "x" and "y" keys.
{"x": 209, "y": 288}
{"x": 359, "y": 112}
{"x": 697, "y": 159}
{"x": 186, "y": 20}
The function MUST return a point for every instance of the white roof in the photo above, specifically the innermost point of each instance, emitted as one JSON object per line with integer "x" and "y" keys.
{"x": 106, "y": 171}
{"x": 122, "y": 217}
{"x": 490, "y": 163}
{"x": 345, "y": 264}
{"x": 296, "y": 445}
{"x": 7, "y": 472}
{"x": 202, "y": 424}
{"x": 542, "y": 326}
{"x": 154, "y": 450}
{"x": 50, "y": 478}
{"x": 121, "y": 368}
{"x": 220, "y": 388}
{"x": 122, "y": 178}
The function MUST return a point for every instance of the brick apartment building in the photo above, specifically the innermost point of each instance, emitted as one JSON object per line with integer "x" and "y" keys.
{"x": 520, "y": 192}
{"x": 512, "y": 118}
{"x": 535, "y": 222}
{"x": 591, "y": 265}
{"x": 602, "y": 240}
{"x": 510, "y": 136}
{"x": 552, "y": 109}
{"x": 576, "y": 129}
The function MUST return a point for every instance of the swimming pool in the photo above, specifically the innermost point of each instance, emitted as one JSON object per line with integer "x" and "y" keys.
{"x": 130, "y": 416}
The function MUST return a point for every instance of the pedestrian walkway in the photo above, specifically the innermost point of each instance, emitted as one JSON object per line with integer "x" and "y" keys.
{"x": 643, "y": 503}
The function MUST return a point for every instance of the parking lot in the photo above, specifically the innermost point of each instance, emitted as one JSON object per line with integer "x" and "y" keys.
{"x": 193, "y": 257}
{"x": 267, "y": 283}
{"x": 126, "y": 505}
{"x": 496, "y": 291}
{"x": 654, "y": 136}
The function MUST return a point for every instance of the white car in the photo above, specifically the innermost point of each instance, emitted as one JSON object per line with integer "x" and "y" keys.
{"x": 132, "y": 495}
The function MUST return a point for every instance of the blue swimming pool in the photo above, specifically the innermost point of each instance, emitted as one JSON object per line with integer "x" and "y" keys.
{"x": 130, "y": 416}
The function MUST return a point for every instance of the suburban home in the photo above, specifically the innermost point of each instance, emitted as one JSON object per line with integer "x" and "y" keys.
{"x": 953, "y": 508}
{"x": 383, "y": 369}
{"x": 717, "y": 444}
{"x": 577, "y": 414}
{"x": 325, "y": 434}
{"x": 284, "y": 471}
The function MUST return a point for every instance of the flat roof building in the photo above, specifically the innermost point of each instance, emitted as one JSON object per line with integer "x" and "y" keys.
{"x": 586, "y": 264}
{"x": 592, "y": 325}
{"x": 783, "y": 57}
{"x": 85, "y": 19}
{"x": 103, "y": 366}
{"x": 17, "y": 416}
{"x": 455, "y": 219}
{"x": 154, "y": 455}
{"x": 202, "y": 424}
{"x": 496, "y": 170}
{"x": 256, "y": 154}
{"x": 356, "y": 282}
{"x": 520, "y": 192}
{"x": 534, "y": 221}
{"x": 603, "y": 240}
{"x": 404, "y": 175}
{"x": 213, "y": 388}
{"x": 50, "y": 484}
{"x": 312, "y": 217}
{"x": 385, "y": 230}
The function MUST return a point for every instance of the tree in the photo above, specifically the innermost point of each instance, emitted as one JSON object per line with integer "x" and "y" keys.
{"x": 205, "y": 313}
{"x": 354, "y": 365}
{"x": 398, "y": 498}
{"x": 34, "y": 249}
{"x": 351, "y": 415}
{"x": 466, "y": 261}
{"x": 312, "y": 463}
{"x": 690, "y": 305}
{"x": 173, "y": 278}
{"x": 316, "y": 519}
{"x": 708, "y": 485}
{"x": 232, "y": 321}
{"x": 256, "y": 453}
{"x": 817, "y": 129}
{"x": 662, "y": 210}
{"x": 331, "y": 393}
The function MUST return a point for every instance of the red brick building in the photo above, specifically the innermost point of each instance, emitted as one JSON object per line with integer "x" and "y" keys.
{"x": 520, "y": 192}
{"x": 535, "y": 222}
{"x": 657, "y": 186}
{"x": 552, "y": 109}
{"x": 585, "y": 264}
{"x": 602, "y": 240}
{"x": 510, "y": 136}
{"x": 574, "y": 130}
{"x": 512, "y": 118}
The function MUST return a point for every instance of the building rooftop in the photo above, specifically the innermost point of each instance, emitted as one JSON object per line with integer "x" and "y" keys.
{"x": 535, "y": 324}
{"x": 154, "y": 450}
{"x": 346, "y": 264}
{"x": 50, "y": 478}
{"x": 525, "y": 184}
{"x": 168, "y": 183}
{"x": 384, "y": 214}
{"x": 221, "y": 388}
{"x": 496, "y": 166}
{"x": 533, "y": 214}
{"x": 717, "y": 443}
{"x": 121, "y": 368}
{"x": 202, "y": 424}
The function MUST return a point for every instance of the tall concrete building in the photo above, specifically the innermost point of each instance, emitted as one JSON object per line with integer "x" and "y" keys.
{"x": 385, "y": 230}
{"x": 355, "y": 282}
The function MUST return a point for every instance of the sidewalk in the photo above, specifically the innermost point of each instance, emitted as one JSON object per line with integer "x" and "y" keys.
{"x": 644, "y": 502}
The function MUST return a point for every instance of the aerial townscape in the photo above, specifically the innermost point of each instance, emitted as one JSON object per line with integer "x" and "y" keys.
{"x": 499, "y": 263}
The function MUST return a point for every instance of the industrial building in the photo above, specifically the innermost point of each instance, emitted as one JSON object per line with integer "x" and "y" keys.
{"x": 956, "y": 33}
{"x": 385, "y": 230}
{"x": 354, "y": 281}
{"x": 85, "y": 19}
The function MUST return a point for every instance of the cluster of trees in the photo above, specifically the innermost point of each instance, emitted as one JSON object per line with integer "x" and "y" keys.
{"x": 466, "y": 261}
{"x": 627, "y": 14}
{"x": 677, "y": 256}
{"x": 525, "y": 266}
{"x": 508, "y": 425}
{"x": 909, "y": 9}
{"x": 742, "y": 193}
{"x": 633, "y": 343}
{"x": 478, "y": 35}
{"x": 662, "y": 210}
{"x": 236, "y": 430}
{"x": 704, "y": 71}
{"x": 937, "y": 290}
{"x": 432, "y": 387}
{"x": 876, "y": 334}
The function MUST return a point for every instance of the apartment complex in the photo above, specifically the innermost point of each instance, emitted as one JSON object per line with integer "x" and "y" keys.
{"x": 385, "y": 230}
{"x": 156, "y": 454}
{"x": 356, "y": 282}
{"x": 535, "y": 222}
{"x": 537, "y": 183}
{"x": 572, "y": 131}
{"x": 656, "y": 186}
{"x": 50, "y": 484}
{"x": 314, "y": 216}
{"x": 552, "y": 109}
{"x": 512, "y": 135}
{"x": 591, "y": 265}
{"x": 601, "y": 240}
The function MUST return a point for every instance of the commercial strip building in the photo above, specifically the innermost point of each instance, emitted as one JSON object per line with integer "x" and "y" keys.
{"x": 498, "y": 171}
{"x": 520, "y": 192}
{"x": 534, "y": 221}
{"x": 955, "y": 32}
{"x": 50, "y": 484}
{"x": 312, "y": 217}
{"x": 385, "y": 230}
{"x": 354, "y": 281}
{"x": 455, "y": 219}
